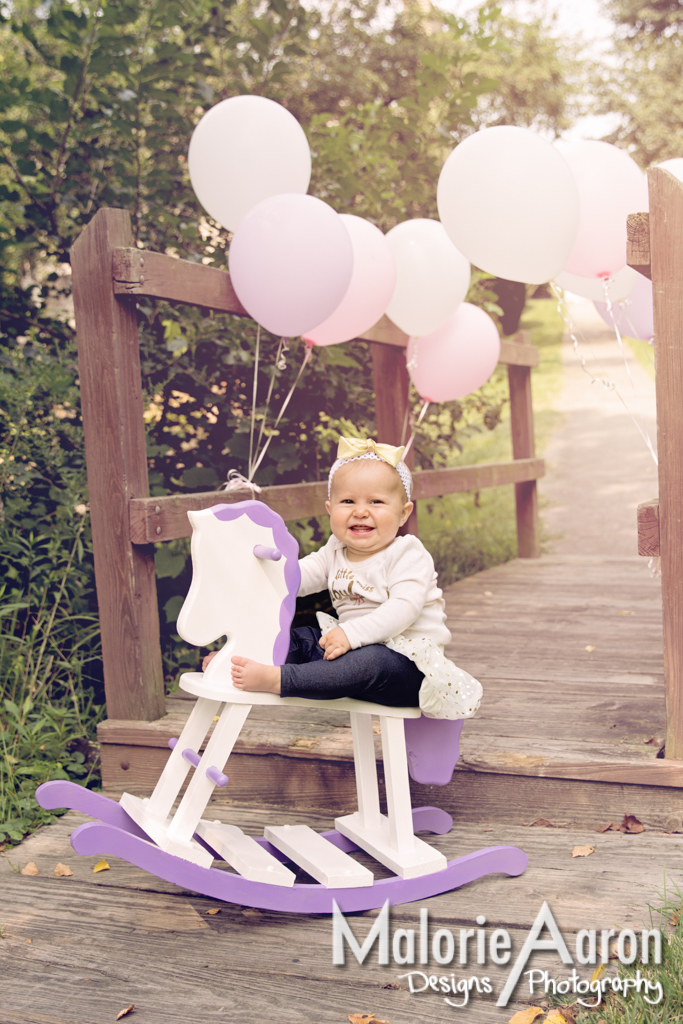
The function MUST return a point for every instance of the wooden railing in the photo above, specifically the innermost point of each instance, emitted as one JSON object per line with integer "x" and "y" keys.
{"x": 109, "y": 275}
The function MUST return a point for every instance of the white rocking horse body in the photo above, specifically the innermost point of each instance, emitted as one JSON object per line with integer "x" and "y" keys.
{"x": 245, "y": 580}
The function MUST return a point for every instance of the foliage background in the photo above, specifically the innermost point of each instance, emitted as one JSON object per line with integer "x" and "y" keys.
{"x": 97, "y": 103}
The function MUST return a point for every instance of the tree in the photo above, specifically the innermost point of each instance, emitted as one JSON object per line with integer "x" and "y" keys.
{"x": 644, "y": 85}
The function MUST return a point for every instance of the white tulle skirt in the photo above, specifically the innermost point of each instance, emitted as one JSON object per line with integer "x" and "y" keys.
{"x": 447, "y": 691}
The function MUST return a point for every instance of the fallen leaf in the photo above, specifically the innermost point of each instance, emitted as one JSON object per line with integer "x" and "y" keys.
{"x": 124, "y": 1013}
{"x": 216, "y": 718}
{"x": 583, "y": 851}
{"x": 673, "y": 921}
{"x": 252, "y": 912}
{"x": 377, "y": 730}
{"x": 631, "y": 825}
{"x": 555, "y": 1017}
{"x": 101, "y": 866}
{"x": 590, "y": 647}
{"x": 652, "y": 740}
{"x": 526, "y": 1016}
{"x": 305, "y": 743}
{"x": 541, "y": 823}
{"x": 365, "y": 1018}
{"x": 216, "y": 910}
{"x": 612, "y": 827}
{"x": 63, "y": 871}
{"x": 626, "y": 613}
{"x": 29, "y": 869}
{"x": 29, "y": 940}
{"x": 488, "y": 593}
{"x": 598, "y": 972}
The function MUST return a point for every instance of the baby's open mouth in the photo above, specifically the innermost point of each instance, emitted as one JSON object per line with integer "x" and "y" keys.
{"x": 362, "y": 530}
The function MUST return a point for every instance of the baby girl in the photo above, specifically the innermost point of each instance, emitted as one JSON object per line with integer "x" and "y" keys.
{"x": 387, "y": 645}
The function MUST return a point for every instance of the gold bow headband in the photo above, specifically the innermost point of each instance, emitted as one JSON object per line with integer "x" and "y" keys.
{"x": 355, "y": 448}
{"x": 352, "y": 447}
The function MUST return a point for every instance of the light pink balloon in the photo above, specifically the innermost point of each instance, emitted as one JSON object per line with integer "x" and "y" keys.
{"x": 372, "y": 285}
{"x": 456, "y": 358}
{"x": 291, "y": 262}
{"x": 634, "y": 315}
{"x": 611, "y": 185}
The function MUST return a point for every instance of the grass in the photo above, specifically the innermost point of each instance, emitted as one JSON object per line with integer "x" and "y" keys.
{"x": 48, "y": 716}
{"x": 466, "y": 533}
{"x": 667, "y": 915}
{"x": 644, "y": 353}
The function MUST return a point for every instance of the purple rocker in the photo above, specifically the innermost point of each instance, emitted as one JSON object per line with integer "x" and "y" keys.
{"x": 244, "y": 586}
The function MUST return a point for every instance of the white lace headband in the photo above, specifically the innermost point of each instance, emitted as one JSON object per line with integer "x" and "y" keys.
{"x": 401, "y": 469}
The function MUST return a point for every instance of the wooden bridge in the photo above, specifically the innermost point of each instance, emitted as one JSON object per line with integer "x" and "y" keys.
{"x": 560, "y": 734}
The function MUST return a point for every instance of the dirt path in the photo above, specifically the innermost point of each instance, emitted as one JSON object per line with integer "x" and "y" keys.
{"x": 598, "y": 465}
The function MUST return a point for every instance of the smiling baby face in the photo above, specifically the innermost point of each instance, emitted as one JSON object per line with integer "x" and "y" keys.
{"x": 367, "y": 506}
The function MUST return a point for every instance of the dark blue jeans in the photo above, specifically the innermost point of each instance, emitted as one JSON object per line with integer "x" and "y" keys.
{"x": 372, "y": 673}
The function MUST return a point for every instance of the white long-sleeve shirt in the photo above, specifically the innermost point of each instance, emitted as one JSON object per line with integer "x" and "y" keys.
{"x": 393, "y": 593}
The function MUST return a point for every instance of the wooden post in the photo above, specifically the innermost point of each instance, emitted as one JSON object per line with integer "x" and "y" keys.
{"x": 523, "y": 447}
{"x": 111, "y": 395}
{"x": 666, "y": 232}
{"x": 391, "y": 384}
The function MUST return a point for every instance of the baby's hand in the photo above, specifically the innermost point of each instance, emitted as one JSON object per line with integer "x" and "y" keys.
{"x": 209, "y": 658}
{"x": 335, "y": 643}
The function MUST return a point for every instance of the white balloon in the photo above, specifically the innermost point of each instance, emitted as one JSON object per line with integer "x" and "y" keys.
{"x": 674, "y": 166}
{"x": 509, "y": 202}
{"x": 432, "y": 277}
{"x": 611, "y": 185}
{"x": 593, "y": 287}
{"x": 244, "y": 150}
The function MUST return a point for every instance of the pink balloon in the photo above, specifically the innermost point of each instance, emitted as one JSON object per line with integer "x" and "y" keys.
{"x": 634, "y": 315}
{"x": 291, "y": 262}
{"x": 611, "y": 185}
{"x": 371, "y": 288}
{"x": 456, "y": 358}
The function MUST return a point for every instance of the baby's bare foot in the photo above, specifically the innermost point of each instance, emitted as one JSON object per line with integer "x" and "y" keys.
{"x": 250, "y": 675}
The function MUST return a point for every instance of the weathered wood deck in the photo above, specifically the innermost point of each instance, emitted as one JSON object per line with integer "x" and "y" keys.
{"x": 78, "y": 950}
{"x": 560, "y": 735}
{"x": 564, "y": 732}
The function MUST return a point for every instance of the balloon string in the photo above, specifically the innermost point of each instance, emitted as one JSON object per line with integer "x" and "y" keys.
{"x": 609, "y": 385}
{"x": 280, "y": 364}
{"x": 305, "y": 361}
{"x": 644, "y": 432}
{"x": 253, "y": 398}
{"x": 412, "y": 432}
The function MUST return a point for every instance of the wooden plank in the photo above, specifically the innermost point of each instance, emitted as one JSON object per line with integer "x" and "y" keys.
{"x": 523, "y": 447}
{"x": 112, "y": 404}
{"x": 165, "y": 518}
{"x": 244, "y": 854}
{"x": 666, "y": 231}
{"x": 431, "y": 483}
{"x": 638, "y": 243}
{"x": 648, "y": 528}
{"x": 514, "y": 352}
{"x": 143, "y": 272}
{"x": 326, "y": 863}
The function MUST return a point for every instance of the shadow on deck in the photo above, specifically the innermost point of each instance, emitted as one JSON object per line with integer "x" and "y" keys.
{"x": 569, "y": 650}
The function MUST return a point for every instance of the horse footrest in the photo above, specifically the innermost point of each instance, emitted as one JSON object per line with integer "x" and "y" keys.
{"x": 323, "y": 861}
{"x": 244, "y": 854}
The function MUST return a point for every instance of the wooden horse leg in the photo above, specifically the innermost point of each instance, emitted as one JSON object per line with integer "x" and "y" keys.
{"x": 399, "y": 807}
{"x": 176, "y": 769}
{"x": 201, "y": 786}
{"x": 366, "y": 770}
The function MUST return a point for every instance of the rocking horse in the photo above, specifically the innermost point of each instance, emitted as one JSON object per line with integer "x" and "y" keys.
{"x": 244, "y": 586}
